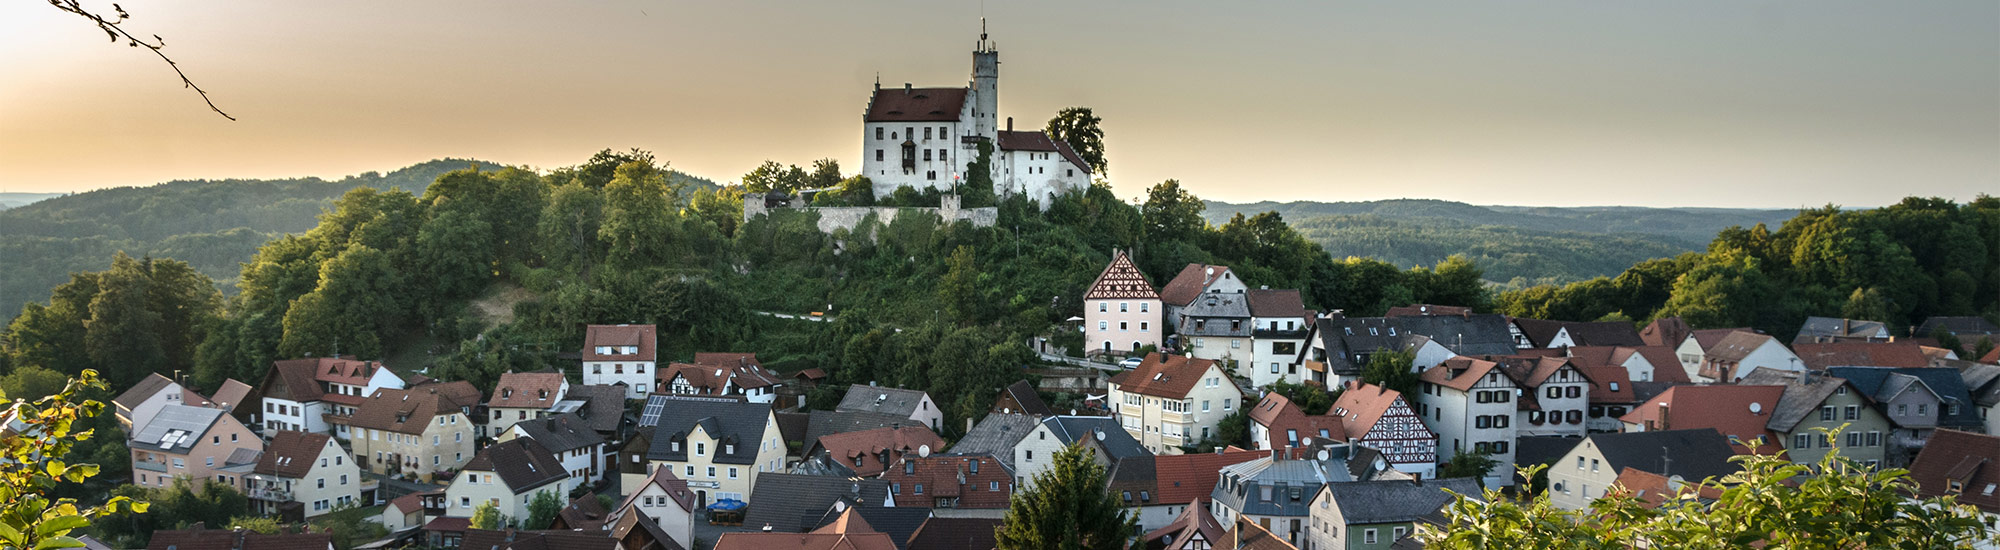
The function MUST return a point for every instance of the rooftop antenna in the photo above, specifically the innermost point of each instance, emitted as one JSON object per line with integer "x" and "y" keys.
{"x": 1666, "y": 461}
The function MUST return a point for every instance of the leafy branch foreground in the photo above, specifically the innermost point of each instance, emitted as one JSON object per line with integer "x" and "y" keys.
{"x": 111, "y": 27}
{"x": 1836, "y": 504}
{"x": 33, "y": 435}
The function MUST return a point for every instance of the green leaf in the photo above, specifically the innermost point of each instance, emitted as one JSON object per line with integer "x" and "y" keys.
{"x": 60, "y": 525}
{"x": 59, "y": 542}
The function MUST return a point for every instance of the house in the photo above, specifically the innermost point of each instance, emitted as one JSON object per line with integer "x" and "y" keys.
{"x": 1277, "y": 423}
{"x": 899, "y": 523}
{"x": 719, "y": 445}
{"x": 521, "y": 539}
{"x": 952, "y": 485}
{"x": 911, "y": 404}
{"x": 1741, "y": 413}
{"x": 949, "y": 533}
{"x": 445, "y": 531}
{"x": 1101, "y": 436}
{"x": 722, "y": 374}
{"x": 1823, "y": 330}
{"x": 1822, "y": 356}
{"x": 1338, "y": 346}
{"x": 1278, "y": 331}
{"x": 1169, "y": 401}
{"x": 625, "y": 356}
{"x": 1020, "y": 397}
{"x": 1193, "y": 529}
{"x": 1279, "y": 492}
{"x": 1158, "y": 489}
{"x": 785, "y": 502}
{"x": 998, "y": 434}
{"x": 1917, "y": 402}
{"x": 303, "y": 475}
{"x": 1666, "y": 332}
{"x": 232, "y": 396}
{"x": 190, "y": 442}
{"x": 1380, "y": 419}
{"x": 508, "y": 474}
{"x": 1196, "y": 280}
{"x": 664, "y": 500}
{"x": 1641, "y": 363}
{"x": 412, "y": 511}
{"x": 638, "y": 532}
{"x": 1218, "y": 327}
{"x": 1554, "y": 395}
{"x": 524, "y": 395}
{"x": 1593, "y": 464}
{"x": 1813, "y": 402}
{"x": 849, "y": 533}
{"x": 1982, "y": 381}
{"x": 143, "y": 401}
{"x": 869, "y": 452}
{"x": 1245, "y": 534}
{"x": 1738, "y": 353}
{"x": 1537, "y": 333}
{"x": 1121, "y": 311}
{"x": 1961, "y": 464}
{"x": 199, "y": 537}
{"x": 419, "y": 432}
{"x": 603, "y": 409}
{"x": 1611, "y": 396}
{"x": 319, "y": 395}
{"x": 1470, "y": 403}
{"x": 1375, "y": 514}
{"x": 579, "y": 448}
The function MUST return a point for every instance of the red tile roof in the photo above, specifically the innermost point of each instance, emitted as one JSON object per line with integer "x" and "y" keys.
{"x": 1968, "y": 460}
{"x": 1459, "y": 373}
{"x": 713, "y": 372}
{"x": 1187, "y": 477}
{"x": 1364, "y": 405}
{"x": 410, "y": 411}
{"x": 951, "y": 476}
{"x": 1666, "y": 331}
{"x": 1743, "y": 413}
{"x": 1276, "y": 303}
{"x": 645, "y": 337}
{"x": 1282, "y": 419}
{"x": 291, "y": 454}
{"x": 298, "y": 379}
{"x": 1654, "y": 489}
{"x": 1427, "y": 310}
{"x": 527, "y": 390}
{"x": 917, "y": 104}
{"x": 1603, "y": 380}
{"x": 848, "y": 446}
{"x": 1188, "y": 284}
{"x": 1169, "y": 376}
{"x": 1707, "y": 338}
{"x": 1121, "y": 280}
{"x": 1861, "y": 354}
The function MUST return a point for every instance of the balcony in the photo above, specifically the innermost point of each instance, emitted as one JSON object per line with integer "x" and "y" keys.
{"x": 150, "y": 466}
{"x": 270, "y": 493}
{"x": 1278, "y": 334}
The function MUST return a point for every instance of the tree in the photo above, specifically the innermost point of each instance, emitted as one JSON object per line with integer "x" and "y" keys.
{"x": 773, "y": 177}
{"x": 1835, "y": 503}
{"x": 1392, "y": 370}
{"x": 1468, "y": 464}
{"x": 1068, "y": 508}
{"x": 1172, "y": 213}
{"x": 487, "y": 516}
{"x": 639, "y": 224}
{"x": 825, "y": 174}
{"x": 112, "y": 27}
{"x": 267, "y": 525}
{"x": 568, "y": 227}
{"x": 33, "y": 433}
{"x": 542, "y": 510}
{"x": 123, "y": 332}
{"x": 959, "y": 291}
{"x": 32, "y": 382}
{"x": 1078, "y": 128}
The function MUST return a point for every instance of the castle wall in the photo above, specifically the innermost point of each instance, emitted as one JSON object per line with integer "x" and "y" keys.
{"x": 847, "y": 217}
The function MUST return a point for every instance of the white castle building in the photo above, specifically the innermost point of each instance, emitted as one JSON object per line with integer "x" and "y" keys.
{"x": 927, "y": 138}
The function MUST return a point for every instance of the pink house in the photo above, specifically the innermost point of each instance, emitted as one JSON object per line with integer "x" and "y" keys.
{"x": 1121, "y": 311}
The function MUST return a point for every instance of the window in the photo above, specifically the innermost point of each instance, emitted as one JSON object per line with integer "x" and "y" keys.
{"x": 1854, "y": 439}
{"x": 920, "y": 488}
{"x": 1103, "y": 307}
{"x": 878, "y": 134}
{"x": 178, "y": 463}
{"x": 1901, "y": 410}
{"x": 1593, "y": 465}
{"x": 1579, "y": 463}
{"x": 211, "y": 462}
{"x": 1124, "y": 307}
{"x": 1123, "y": 326}
{"x": 1031, "y": 456}
{"x": 1874, "y": 439}
{"x": 1142, "y": 326}
{"x": 322, "y": 483}
{"x": 1368, "y": 536}
{"x": 1923, "y": 409}
{"x": 1802, "y": 441}
{"x": 1226, "y": 404}
{"x": 1204, "y": 405}
{"x": 1853, "y": 412}
{"x": 1104, "y": 325}
{"x": 711, "y": 471}
{"x": 878, "y": 155}
{"x": 700, "y": 449}
{"x": 732, "y": 472}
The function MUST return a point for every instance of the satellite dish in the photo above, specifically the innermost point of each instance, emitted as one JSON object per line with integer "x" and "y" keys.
{"x": 1381, "y": 464}
{"x": 1756, "y": 408}
{"x": 924, "y": 451}
{"x": 1323, "y": 455}
{"x": 1100, "y": 435}
{"x": 1306, "y": 441}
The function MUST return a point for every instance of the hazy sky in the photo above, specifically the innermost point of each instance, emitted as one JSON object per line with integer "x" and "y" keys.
{"x": 1680, "y": 103}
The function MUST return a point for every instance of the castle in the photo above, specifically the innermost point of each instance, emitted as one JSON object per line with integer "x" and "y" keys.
{"x": 929, "y": 138}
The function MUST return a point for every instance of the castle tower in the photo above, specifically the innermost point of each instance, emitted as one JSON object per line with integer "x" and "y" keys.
{"x": 985, "y": 86}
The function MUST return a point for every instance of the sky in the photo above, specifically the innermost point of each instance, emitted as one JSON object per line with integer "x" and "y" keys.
{"x": 1723, "y": 103}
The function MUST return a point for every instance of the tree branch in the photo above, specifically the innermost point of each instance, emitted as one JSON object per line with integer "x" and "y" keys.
{"x": 112, "y": 30}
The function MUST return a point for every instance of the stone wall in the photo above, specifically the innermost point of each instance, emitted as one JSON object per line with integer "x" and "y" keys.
{"x": 846, "y": 217}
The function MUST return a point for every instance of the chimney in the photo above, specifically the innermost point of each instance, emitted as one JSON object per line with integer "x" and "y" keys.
{"x": 906, "y": 87}
{"x": 1010, "y": 124}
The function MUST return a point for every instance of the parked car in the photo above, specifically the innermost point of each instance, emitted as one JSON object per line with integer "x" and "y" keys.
{"x": 1130, "y": 363}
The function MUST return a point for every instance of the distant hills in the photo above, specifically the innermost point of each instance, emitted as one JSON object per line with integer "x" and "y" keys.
{"x": 214, "y": 225}
{"x": 1532, "y": 243}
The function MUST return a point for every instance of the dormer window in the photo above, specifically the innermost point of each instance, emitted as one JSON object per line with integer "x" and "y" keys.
{"x": 506, "y": 393}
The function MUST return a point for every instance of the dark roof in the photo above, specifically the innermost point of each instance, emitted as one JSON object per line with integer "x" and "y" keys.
{"x": 916, "y": 104}
{"x": 1070, "y": 155}
{"x": 793, "y": 503}
{"x": 643, "y": 337}
{"x": 896, "y": 401}
{"x": 298, "y": 379}
{"x": 1161, "y": 375}
{"x": 631, "y": 526}
{"x": 1972, "y": 460}
{"x": 792, "y": 426}
{"x": 145, "y": 389}
{"x": 1820, "y": 356}
{"x": 604, "y": 405}
{"x": 482, "y": 539}
{"x": 561, "y": 433}
{"x": 1121, "y": 280}
{"x": 1802, "y": 396}
{"x": 1696, "y": 454}
{"x": 585, "y": 513}
{"x": 1397, "y": 501}
{"x": 898, "y": 523}
{"x": 176, "y": 429}
{"x": 410, "y": 411}
{"x": 820, "y": 423}
{"x": 1469, "y": 335}
{"x": 291, "y": 454}
{"x": 1734, "y": 347}
{"x": 1189, "y": 283}
{"x": 1104, "y": 429}
{"x": 1216, "y": 305}
{"x": 1276, "y": 303}
{"x": 521, "y": 463}
{"x": 1026, "y": 140}
{"x": 1023, "y": 394}
{"x": 1960, "y": 327}
{"x": 1414, "y": 310}
{"x": 955, "y": 534}
{"x": 723, "y": 419}
{"x": 232, "y": 394}
{"x": 1595, "y": 333}
{"x": 1541, "y": 449}
{"x": 1948, "y": 384}
{"x": 198, "y": 538}
{"x": 1835, "y": 327}
{"x": 997, "y": 435}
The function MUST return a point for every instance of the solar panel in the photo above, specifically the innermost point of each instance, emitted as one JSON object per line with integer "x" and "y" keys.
{"x": 651, "y": 415}
{"x": 167, "y": 428}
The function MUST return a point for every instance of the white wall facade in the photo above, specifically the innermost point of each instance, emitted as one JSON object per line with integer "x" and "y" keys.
{"x": 286, "y": 414}
{"x": 1457, "y": 416}
{"x": 949, "y": 155}
{"x": 1567, "y": 393}
{"x": 471, "y": 487}
{"x": 1274, "y": 350}
{"x": 1041, "y": 175}
{"x": 169, "y": 395}
{"x": 1164, "y": 424}
{"x": 655, "y": 503}
{"x": 635, "y": 376}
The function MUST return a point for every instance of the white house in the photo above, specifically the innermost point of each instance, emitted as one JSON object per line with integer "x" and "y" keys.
{"x": 1470, "y": 403}
{"x": 1195, "y": 280}
{"x": 722, "y": 374}
{"x": 1101, "y": 436}
{"x": 1169, "y": 401}
{"x": 1555, "y": 396}
{"x": 1735, "y": 355}
{"x": 303, "y": 394}
{"x": 524, "y": 395}
{"x": 571, "y": 440}
{"x": 621, "y": 355}
{"x": 1278, "y": 331}
{"x": 1121, "y": 311}
{"x": 912, "y": 404}
{"x": 309, "y": 469}
{"x": 665, "y": 499}
{"x": 508, "y": 474}
{"x": 144, "y": 400}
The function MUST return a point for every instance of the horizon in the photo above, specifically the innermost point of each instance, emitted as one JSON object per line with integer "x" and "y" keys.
{"x": 1556, "y": 104}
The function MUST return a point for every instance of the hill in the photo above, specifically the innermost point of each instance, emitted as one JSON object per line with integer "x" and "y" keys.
{"x": 1532, "y": 243}
{"x": 12, "y": 200}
